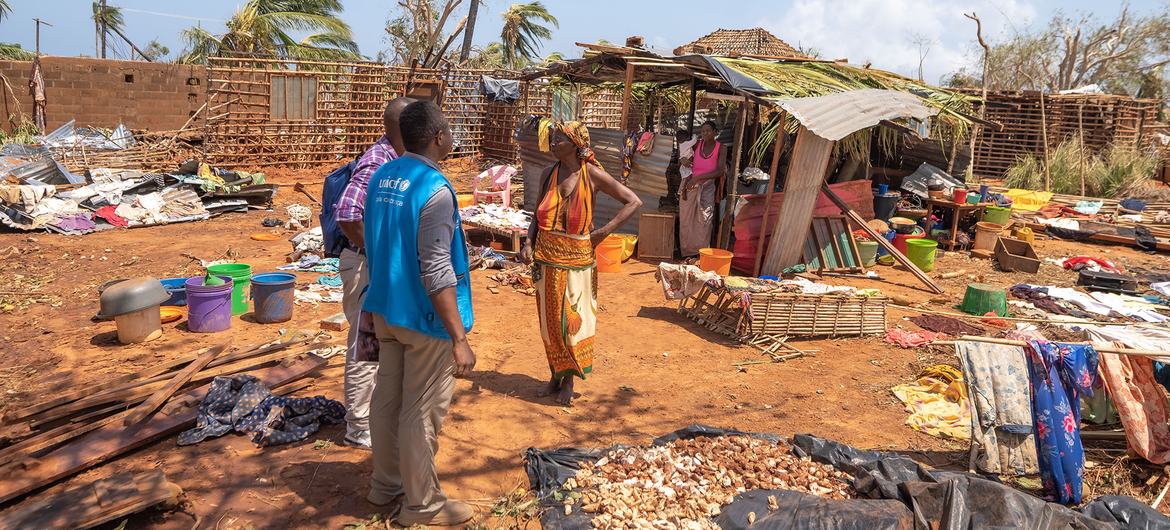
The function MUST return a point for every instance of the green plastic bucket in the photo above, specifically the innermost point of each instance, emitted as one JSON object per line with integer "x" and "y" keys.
{"x": 921, "y": 253}
{"x": 997, "y": 215}
{"x": 867, "y": 251}
{"x": 241, "y": 275}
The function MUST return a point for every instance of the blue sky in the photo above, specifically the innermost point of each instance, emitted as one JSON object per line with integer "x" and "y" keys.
{"x": 881, "y": 31}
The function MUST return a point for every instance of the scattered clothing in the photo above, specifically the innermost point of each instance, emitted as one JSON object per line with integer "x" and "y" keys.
{"x": 1001, "y": 409}
{"x": 243, "y": 404}
{"x": 330, "y": 281}
{"x": 313, "y": 263}
{"x": 911, "y": 339}
{"x": 1089, "y": 207}
{"x": 500, "y": 90}
{"x": 1077, "y": 263}
{"x": 315, "y": 293}
{"x": 682, "y": 281}
{"x": 937, "y": 403}
{"x": 498, "y": 216}
{"x": 109, "y": 214}
{"x": 943, "y": 324}
{"x": 1060, "y": 375}
{"x": 75, "y": 223}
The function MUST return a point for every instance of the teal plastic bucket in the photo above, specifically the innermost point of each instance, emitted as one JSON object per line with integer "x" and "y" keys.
{"x": 273, "y": 296}
{"x": 241, "y": 275}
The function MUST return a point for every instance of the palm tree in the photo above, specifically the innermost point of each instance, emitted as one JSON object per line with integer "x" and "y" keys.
{"x": 113, "y": 19}
{"x": 4, "y": 9}
{"x": 490, "y": 56}
{"x": 523, "y": 32}
{"x": 263, "y": 27}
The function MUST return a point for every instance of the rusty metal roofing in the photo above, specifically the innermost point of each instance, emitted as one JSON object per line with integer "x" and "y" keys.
{"x": 835, "y": 116}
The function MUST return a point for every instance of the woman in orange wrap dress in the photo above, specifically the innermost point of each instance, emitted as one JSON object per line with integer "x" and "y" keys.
{"x": 560, "y": 245}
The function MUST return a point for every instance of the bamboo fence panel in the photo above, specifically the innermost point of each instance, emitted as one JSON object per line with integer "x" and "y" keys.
{"x": 748, "y": 317}
{"x": 1102, "y": 119}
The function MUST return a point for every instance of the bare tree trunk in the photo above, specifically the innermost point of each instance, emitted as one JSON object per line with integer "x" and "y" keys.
{"x": 982, "y": 82}
{"x": 472, "y": 12}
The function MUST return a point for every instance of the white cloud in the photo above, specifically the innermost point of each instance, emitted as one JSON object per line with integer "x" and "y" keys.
{"x": 883, "y": 31}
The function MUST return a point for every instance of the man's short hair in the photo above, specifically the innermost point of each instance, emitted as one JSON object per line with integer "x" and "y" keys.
{"x": 420, "y": 122}
{"x": 398, "y": 103}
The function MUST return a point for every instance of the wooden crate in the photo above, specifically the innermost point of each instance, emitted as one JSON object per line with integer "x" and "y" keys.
{"x": 656, "y": 235}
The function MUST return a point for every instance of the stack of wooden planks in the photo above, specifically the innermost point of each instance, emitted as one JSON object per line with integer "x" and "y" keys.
{"x": 82, "y": 427}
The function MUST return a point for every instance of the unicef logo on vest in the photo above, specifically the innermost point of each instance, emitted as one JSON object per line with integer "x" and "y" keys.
{"x": 399, "y": 184}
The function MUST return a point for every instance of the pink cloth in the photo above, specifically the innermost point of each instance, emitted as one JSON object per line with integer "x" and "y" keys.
{"x": 1140, "y": 402}
{"x": 912, "y": 339}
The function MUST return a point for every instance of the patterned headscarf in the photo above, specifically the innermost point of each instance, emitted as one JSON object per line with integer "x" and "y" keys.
{"x": 578, "y": 133}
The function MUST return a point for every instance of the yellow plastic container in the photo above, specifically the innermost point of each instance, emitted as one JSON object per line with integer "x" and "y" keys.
{"x": 1025, "y": 234}
{"x": 629, "y": 241}
{"x": 715, "y": 260}
{"x": 609, "y": 254}
{"x": 465, "y": 199}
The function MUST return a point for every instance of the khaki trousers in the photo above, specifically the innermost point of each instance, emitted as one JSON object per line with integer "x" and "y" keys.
{"x": 359, "y": 375}
{"x": 411, "y": 398}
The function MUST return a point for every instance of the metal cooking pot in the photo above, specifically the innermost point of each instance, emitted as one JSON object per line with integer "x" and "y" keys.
{"x": 128, "y": 296}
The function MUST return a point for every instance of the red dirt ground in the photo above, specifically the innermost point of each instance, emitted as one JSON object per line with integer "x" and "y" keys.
{"x": 655, "y": 372}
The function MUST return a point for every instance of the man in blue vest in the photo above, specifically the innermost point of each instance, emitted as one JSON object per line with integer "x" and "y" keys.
{"x": 420, "y": 297}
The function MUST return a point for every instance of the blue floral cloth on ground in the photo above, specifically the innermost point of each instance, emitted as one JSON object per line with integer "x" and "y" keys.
{"x": 1060, "y": 374}
{"x": 242, "y": 403}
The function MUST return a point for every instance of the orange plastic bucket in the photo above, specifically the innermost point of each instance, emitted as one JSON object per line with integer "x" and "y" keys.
{"x": 465, "y": 199}
{"x": 715, "y": 260}
{"x": 609, "y": 254}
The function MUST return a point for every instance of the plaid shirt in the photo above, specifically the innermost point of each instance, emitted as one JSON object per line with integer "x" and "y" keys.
{"x": 351, "y": 206}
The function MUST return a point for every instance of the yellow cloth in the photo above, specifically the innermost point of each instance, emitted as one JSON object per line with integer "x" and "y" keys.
{"x": 542, "y": 130}
{"x": 937, "y": 403}
{"x": 1028, "y": 200}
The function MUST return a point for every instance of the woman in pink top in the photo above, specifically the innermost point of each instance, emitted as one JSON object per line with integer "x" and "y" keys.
{"x": 697, "y": 207}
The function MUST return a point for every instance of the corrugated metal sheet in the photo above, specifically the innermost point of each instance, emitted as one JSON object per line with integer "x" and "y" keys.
{"x": 835, "y": 116}
{"x": 648, "y": 178}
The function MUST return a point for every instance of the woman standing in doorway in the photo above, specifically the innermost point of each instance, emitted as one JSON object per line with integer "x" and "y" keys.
{"x": 697, "y": 206}
{"x": 560, "y": 243}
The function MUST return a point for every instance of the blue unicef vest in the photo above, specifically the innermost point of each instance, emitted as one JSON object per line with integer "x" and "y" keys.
{"x": 396, "y": 195}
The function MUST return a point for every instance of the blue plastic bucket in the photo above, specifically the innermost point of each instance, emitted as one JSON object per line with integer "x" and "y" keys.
{"x": 177, "y": 288}
{"x": 272, "y": 296}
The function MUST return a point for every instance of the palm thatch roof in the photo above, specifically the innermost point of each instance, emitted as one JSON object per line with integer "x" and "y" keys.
{"x": 754, "y": 41}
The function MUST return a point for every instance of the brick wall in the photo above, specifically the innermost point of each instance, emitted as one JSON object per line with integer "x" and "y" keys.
{"x": 102, "y": 92}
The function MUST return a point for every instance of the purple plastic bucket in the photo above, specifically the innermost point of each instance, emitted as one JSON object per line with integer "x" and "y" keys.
{"x": 209, "y": 308}
{"x": 273, "y": 296}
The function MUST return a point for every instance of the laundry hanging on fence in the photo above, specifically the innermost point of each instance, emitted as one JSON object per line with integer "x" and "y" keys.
{"x": 1060, "y": 374}
{"x": 1001, "y": 410}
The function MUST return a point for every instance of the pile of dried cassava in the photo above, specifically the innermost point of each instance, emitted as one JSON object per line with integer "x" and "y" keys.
{"x": 684, "y": 483}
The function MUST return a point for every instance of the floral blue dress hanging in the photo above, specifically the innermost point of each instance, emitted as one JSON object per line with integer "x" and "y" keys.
{"x": 1060, "y": 374}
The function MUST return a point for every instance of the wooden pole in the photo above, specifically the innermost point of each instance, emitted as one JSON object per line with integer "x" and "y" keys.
{"x": 626, "y": 94}
{"x": 1044, "y": 137}
{"x": 857, "y": 220}
{"x": 691, "y": 114}
{"x": 730, "y": 191}
{"x": 778, "y": 148}
{"x": 1100, "y": 349}
{"x": 1081, "y": 132}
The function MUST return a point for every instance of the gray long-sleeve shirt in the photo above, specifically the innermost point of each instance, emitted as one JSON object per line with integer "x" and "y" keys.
{"x": 436, "y": 229}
